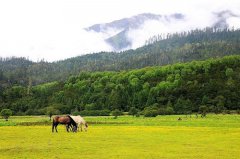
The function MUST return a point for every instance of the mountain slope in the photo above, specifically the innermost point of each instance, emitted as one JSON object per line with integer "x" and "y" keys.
{"x": 182, "y": 47}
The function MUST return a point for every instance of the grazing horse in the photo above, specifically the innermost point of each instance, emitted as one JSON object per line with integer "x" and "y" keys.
{"x": 65, "y": 120}
{"x": 80, "y": 122}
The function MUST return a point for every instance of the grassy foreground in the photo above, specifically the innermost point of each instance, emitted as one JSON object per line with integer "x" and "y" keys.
{"x": 161, "y": 137}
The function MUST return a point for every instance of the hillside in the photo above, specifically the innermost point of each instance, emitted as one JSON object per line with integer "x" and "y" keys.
{"x": 159, "y": 51}
{"x": 178, "y": 88}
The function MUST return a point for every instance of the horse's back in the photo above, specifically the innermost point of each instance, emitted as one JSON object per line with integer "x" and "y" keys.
{"x": 55, "y": 118}
{"x": 78, "y": 119}
{"x": 61, "y": 119}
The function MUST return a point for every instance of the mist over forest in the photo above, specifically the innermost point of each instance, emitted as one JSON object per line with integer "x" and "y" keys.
{"x": 180, "y": 73}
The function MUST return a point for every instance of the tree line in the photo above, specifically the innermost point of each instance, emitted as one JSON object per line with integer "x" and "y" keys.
{"x": 182, "y": 88}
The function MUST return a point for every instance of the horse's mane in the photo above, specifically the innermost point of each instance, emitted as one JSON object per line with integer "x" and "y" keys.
{"x": 72, "y": 121}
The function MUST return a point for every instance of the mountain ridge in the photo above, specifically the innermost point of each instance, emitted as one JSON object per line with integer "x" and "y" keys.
{"x": 122, "y": 38}
{"x": 181, "y": 47}
{"x": 120, "y": 41}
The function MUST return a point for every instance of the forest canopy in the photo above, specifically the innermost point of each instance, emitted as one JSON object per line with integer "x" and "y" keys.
{"x": 181, "y": 88}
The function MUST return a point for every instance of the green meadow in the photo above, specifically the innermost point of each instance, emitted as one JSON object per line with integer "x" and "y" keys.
{"x": 213, "y": 137}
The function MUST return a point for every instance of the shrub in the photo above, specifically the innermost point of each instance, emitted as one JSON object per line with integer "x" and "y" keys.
{"x": 138, "y": 114}
{"x": 226, "y": 112}
{"x": 203, "y": 109}
{"x": 133, "y": 111}
{"x": 165, "y": 111}
{"x": 151, "y": 111}
{"x": 5, "y": 113}
{"x": 169, "y": 111}
{"x": 161, "y": 111}
{"x": 238, "y": 111}
{"x": 94, "y": 113}
{"x": 212, "y": 108}
{"x": 75, "y": 112}
{"x": 116, "y": 113}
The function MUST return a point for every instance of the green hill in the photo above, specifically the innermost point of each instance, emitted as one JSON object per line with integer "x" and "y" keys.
{"x": 179, "y": 88}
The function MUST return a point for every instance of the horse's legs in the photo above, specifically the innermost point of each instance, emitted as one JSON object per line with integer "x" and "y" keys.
{"x": 68, "y": 126}
{"x": 56, "y": 127}
{"x": 81, "y": 126}
{"x": 85, "y": 126}
{"x": 78, "y": 127}
{"x": 53, "y": 125}
{"x": 74, "y": 128}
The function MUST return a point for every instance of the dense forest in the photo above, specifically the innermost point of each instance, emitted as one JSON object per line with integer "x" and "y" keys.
{"x": 159, "y": 50}
{"x": 179, "y": 88}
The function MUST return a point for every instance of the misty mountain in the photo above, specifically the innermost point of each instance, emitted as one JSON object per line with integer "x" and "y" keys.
{"x": 122, "y": 27}
{"x": 121, "y": 34}
{"x": 132, "y": 22}
{"x": 222, "y": 17}
{"x": 178, "y": 47}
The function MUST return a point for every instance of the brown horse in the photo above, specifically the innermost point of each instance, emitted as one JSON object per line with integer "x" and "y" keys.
{"x": 65, "y": 120}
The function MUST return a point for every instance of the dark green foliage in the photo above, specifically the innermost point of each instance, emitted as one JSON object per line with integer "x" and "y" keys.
{"x": 238, "y": 111}
{"x": 203, "y": 109}
{"x": 151, "y": 111}
{"x": 173, "y": 89}
{"x": 50, "y": 111}
{"x": 169, "y": 111}
{"x": 229, "y": 72}
{"x": 34, "y": 112}
{"x": 166, "y": 111}
{"x": 219, "y": 104}
{"x": 5, "y": 113}
{"x": 133, "y": 111}
{"x": 95, "y": 113}
{"x": 183, "y": 106}
{"x": 116, "y": 113}
{"x": 226, "y": 112}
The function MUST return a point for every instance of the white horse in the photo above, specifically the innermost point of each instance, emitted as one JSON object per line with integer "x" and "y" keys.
{"x": 80, "y": 122}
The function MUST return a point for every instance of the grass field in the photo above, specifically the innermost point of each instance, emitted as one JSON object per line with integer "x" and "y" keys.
{"x": 214, "y": 137}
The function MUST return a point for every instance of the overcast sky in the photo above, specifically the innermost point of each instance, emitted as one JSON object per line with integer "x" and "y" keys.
{"x": 53, "y": 29}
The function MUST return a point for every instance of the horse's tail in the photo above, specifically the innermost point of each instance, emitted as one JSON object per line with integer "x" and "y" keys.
{"x": 54, "y": 122}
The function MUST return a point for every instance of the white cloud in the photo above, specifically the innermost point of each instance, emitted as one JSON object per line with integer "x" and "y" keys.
{"x": 199, "y": 16}
{"x": 52, "y": 29}
{"x": 234, "y": 22}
